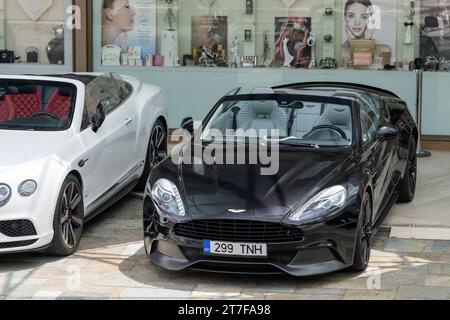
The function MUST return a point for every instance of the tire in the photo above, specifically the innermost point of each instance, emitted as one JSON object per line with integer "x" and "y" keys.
{"x": 363, "y": 236}
{"x": 156, "y": 152}
{"x": 407, "y": 187}
{"x": 68, "y": 221}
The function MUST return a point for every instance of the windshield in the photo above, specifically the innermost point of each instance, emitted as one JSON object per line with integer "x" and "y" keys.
{"x": 287, "y": 119}
{"x": 31, "y": 105}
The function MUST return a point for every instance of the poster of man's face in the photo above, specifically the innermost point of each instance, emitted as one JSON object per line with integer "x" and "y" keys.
{"x": 435, "y": 29}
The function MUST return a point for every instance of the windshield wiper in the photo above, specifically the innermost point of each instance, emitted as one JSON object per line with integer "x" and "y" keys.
{"x": 307, "y": 145}
{"x": 287, "y": 142}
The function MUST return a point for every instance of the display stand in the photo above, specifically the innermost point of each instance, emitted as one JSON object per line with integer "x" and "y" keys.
{"x": 169, "y": 47}
{"x": 328, "y": 48}
{"x": 420, "y": 153}
{"x": 2, "y": 25}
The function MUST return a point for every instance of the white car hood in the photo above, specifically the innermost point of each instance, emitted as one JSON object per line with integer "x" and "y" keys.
{"x": 22, "y": 147}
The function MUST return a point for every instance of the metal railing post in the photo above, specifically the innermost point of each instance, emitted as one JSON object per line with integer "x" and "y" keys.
{"x": 419, "y": 104}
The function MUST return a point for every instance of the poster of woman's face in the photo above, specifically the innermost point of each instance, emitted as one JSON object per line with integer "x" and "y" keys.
{"x": 369, "y": 20}
{"x": 129, "y": 23}
{"x": 435, "y": 28}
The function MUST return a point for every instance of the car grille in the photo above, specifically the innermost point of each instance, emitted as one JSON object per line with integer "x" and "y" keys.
{"x": 17, "y": 228}
{"x": 17, "y": 244}
{"x": 238, "y": 231}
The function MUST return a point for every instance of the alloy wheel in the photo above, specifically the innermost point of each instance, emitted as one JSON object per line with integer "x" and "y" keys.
{"x": 412, "y": 169}
{"x": 158, "y": 150}
{"x": 71, "y": 215}
{"x": 366, "y": 237}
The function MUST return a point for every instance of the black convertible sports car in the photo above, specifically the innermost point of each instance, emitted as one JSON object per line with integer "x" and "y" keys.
{"x": 346, "y": 154}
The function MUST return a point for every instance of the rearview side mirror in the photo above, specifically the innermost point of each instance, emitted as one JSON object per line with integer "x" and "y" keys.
{"x": 188, "y": 125}
{"x": 387, "y": 133}
{"x": 98, "y": 118}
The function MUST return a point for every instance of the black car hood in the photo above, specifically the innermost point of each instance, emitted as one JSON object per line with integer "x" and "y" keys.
{"x": 241, "y": 192}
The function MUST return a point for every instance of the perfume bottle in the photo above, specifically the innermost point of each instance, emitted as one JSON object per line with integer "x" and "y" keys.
{"x": 249, "y": 6}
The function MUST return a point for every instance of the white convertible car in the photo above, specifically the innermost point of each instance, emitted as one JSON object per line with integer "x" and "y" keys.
{"x": 70, "y": 146}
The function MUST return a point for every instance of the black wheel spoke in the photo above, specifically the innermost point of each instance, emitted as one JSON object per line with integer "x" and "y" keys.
{"x": 77, "y": 221}
{"x": 66, "y": 232}
{"x": 65, "y": 202}
{"x": 75, "y": 202}
{"x": 157, "y": 150}
{"x": 73, "y": 237}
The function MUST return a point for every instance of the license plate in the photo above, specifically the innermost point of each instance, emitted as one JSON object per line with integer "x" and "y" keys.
{"x": 234, "y": 249}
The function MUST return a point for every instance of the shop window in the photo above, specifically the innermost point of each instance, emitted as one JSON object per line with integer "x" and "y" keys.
{"x": 327, "y": 34}
{"x": 32, "y": 31}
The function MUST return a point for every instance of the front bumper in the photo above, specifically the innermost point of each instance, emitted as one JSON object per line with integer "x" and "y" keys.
{"x": 324, "y": 248}
{"x": 20, "y": 240}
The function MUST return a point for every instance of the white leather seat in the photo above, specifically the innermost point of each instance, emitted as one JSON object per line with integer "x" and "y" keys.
{"x": 339, "y": 116}
{"x": 262, "y": 115}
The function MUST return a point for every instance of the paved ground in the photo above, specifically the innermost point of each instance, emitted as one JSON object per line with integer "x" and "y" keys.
{"x": 111, "y": 262}
{"x": 431, "y": 207}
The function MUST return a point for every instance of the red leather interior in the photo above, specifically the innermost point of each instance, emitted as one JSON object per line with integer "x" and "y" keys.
{"x": 6, "y": 112}
{"x": 25, "y": 103}
{"x": 60, "y": 104}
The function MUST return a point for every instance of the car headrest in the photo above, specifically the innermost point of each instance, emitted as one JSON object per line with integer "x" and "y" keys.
{"x": 2, "y": 96}
{"x": 339, "y": 116}
{"x": 263, "y": 107}
{"x": 27, "y": 89}
{"x": 263, "y": 90}
{"x": 65, "y": 92}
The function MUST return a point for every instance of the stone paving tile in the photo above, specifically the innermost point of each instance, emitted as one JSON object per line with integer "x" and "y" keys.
{"x": 118, "y": 279}
{"x": 403, "y": 275}
{"x": 320, "y": 291}
{"x": 2, "y": 297}
{"x": 438, "y": 281}
{"x": 198, "y": 294}
{"x": 369, "y": 295}
{"x": 300, "y": 296}
{"x": 403, "y": 245}
{"x": 286, "y": 286}
{"x": 423, "y": 292}
{"x": 439, "y": 269}
{"x": 153, "y": 293}
{"x": 248, "y": 295}
{"x": 441, "y": 247}
{"x": 358, "y": 283}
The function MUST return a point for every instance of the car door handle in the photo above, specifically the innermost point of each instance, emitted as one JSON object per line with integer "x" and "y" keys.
{"x": 128, "y": 121}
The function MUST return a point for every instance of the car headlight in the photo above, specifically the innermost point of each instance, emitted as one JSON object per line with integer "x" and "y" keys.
{"x": 27, "y": 188}
{"x": 321, "y": 205}
{"x": 5, "y": 194}
{"x": 167, "y": 197}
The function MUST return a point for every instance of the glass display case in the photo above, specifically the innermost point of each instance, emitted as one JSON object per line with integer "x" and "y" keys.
{"x": 322, "y": 34}
{"x": 204, "y": 48}
{"x": 34, "y": 34}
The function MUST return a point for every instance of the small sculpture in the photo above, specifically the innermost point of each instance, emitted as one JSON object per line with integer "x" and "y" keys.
{"x": 170, "y": 18}
{"x": 312, "y": 43}
{"x": 235, "y": 60}
{"x": 267, "y": 59}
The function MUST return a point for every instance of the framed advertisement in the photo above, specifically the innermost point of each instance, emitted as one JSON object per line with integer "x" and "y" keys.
{"x": 369, "y": 20}
{"x": 210, "y": 40}
{"x": 130, "y": 24}
{"x": 291, "y": 41}
{"x": 435, "y": 29}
